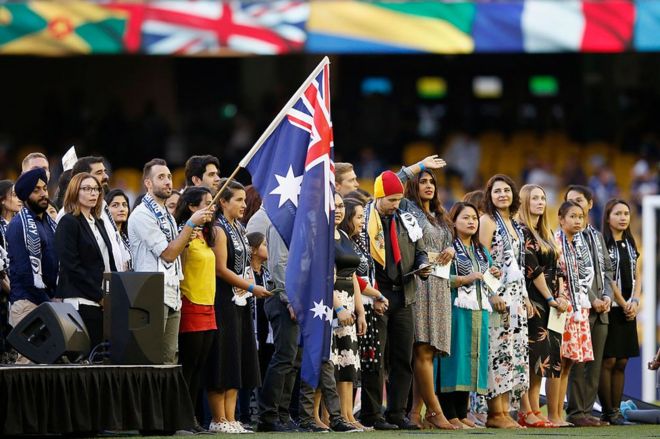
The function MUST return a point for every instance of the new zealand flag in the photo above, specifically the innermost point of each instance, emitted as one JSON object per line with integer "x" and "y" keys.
{"x": 292, "y": 168}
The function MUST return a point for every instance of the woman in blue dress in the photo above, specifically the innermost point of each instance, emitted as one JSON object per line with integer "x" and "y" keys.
{"x": 466, "y": 368}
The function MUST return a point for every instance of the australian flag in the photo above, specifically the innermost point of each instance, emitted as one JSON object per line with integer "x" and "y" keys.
{"x": 292, "y": 168}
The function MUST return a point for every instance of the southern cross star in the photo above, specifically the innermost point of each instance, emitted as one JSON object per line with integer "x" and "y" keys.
{"x": 288, "y": 187}
{"x": 319, "y": 310}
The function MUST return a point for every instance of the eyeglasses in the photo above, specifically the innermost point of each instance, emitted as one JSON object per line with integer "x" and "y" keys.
{"x": 90, "y": 189}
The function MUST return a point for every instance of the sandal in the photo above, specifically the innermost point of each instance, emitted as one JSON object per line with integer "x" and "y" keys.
{"x": 522, "y": 420}
{"x": 446, "y": 425}
{"x": 548, "y": 423}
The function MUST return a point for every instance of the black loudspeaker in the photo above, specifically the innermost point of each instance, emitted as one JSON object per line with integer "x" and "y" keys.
{"x": 133, "y": 317}
{"x": 51, "y": 332}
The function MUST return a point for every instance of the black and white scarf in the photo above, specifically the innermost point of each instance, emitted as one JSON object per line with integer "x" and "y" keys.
{"x": 123, "y": 240}
{"x": 591, "y": 234}
{"x": 123, "y": 236}
{"x": 4, "y": 256}
{"x": 173, "y": 270}
{"x": 467, "y": 294}
{"x": 33, "y": 243}
{"x": 616, "y": 261}
{"x": 241, "y": 249}
{"x": 577, "y": 269}
{"x": 512, "y": 269}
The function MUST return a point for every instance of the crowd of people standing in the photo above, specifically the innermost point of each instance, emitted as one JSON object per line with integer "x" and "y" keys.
{"x": 459, "y": 315}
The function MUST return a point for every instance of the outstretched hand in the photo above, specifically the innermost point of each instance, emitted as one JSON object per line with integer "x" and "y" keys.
{"x": 433, "y": 162}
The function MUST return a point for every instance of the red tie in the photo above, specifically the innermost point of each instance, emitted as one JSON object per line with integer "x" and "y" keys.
{"x": 395, "y": 242}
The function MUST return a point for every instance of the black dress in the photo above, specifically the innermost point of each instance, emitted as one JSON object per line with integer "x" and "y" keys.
{"x": 622, "y": 334}
{"x": 345, "y": 355}
{"x": 544, "y": 345}
{"x": 233, "y": 361}
{"x": 265, "y": 344}
{"x": 369, "y": 344}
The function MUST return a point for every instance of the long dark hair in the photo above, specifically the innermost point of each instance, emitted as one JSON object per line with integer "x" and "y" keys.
{"x": 193, "y": 196}
{"x": 607, "y": 232}
{"x": 489, "y": 207}
{"x": 435, "y": 205}
{"x": 455, "y": 211}
{"x": 252, "y": 201}
{"x": 5, "y": 191}
{"x": 350, "y": 204}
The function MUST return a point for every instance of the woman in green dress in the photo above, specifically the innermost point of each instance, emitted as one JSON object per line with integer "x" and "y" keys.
{"x": 466, "y": 368}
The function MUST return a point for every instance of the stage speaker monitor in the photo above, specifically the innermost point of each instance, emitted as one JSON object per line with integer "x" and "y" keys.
{"x": 133, "y": 317}
{"x": 53, "y": 331}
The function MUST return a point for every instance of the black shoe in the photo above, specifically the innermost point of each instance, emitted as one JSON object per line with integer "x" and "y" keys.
{"x": 247, "y": 426}
{"x": 404, "y": 424}
{"x": 380, "y": 424}
{"x": 342, "y": 426}
{"x": 310, "y": 427}
{"x": 266, "y": 427}
{"x": 290, "y": 425}
{"x": 616, "y": 418}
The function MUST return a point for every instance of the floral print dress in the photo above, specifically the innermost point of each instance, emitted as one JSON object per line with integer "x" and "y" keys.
{"x": 508, "y": 352}
{"x": 576, "y": 342}
{"x": 544, "y": 344}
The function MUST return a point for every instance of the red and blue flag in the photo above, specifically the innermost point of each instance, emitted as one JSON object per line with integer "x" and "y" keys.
{"x": 292, "y": 167}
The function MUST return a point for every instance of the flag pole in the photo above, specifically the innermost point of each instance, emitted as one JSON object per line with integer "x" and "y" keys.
{"x": 243, "y": 163}
{"x": 224, "y": 186}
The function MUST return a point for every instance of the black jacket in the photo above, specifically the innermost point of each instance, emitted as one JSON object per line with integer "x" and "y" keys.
{"x": 81, "y": 261}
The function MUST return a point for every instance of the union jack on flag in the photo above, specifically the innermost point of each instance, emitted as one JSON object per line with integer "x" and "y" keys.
{"x": 292, "y": 168}
{"x": 183, "y": 27}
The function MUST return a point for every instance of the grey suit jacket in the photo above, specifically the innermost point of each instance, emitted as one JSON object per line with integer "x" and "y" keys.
{"x": 598, "y": 289}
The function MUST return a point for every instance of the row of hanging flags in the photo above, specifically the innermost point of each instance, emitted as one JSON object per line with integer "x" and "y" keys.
{"x": 177, "y": 27}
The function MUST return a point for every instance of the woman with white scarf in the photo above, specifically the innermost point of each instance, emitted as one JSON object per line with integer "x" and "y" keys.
{"x": 508, "y": 377}
{"x": 577, "y": 273}
{"x": 466, "y": 368}
{"x": 621, "y": 341}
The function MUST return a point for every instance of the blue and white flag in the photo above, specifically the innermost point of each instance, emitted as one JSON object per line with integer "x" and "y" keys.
{"x": 292, "y": 168}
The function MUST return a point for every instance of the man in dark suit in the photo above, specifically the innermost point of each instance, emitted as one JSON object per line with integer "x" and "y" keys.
{"x": 584, "y": 377}
{"x": 397, "y": 248}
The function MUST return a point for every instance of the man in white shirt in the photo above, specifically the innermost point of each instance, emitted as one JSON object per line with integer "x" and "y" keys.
{"x": 156, "y": 245}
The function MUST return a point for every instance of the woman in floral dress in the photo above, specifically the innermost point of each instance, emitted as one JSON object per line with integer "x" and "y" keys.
{"x": 577, "y": 271}
{"x": 349, "y": 314}
{"x": 432, "y": 307}
{"x": 542, "y": 281}
{"x": 508, "y": 376}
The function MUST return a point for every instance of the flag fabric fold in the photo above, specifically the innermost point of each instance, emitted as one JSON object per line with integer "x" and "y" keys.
{"x": 292, "y": 168}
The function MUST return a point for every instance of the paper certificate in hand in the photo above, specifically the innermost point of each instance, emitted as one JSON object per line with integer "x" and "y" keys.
{"x": 441, "y": 271}
{"x": 492, "y": 282}
{"x": 557, "y": 321}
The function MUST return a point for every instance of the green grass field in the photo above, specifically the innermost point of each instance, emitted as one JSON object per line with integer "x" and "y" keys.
{"x": 629, "y": 432}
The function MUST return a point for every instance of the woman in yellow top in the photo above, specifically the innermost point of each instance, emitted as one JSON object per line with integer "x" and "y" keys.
{"x": 198, "y": 325}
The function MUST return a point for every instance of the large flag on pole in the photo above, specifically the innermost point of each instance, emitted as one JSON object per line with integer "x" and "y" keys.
{"x": 292, "y": 168}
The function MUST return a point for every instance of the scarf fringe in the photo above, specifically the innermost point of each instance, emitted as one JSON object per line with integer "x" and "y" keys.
{"x": 465, "y": 300}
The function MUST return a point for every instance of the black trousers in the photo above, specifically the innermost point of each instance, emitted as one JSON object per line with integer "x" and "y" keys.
{"x": 280, "y": 378}
{"x": 454, "y": 404}
{"x": 396, "y": 336}
{"x": 92, "y": 316}
{"x": 194, "y": 348}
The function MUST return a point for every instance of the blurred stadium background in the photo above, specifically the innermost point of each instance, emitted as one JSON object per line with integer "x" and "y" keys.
{"x": 546, "y": 91}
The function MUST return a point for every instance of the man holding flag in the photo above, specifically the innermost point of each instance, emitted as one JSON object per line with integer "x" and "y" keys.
{"x": 292, "y": 168}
